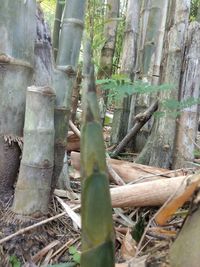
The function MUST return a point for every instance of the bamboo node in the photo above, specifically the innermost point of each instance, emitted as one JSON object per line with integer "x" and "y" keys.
{"x": 73, "y": 20}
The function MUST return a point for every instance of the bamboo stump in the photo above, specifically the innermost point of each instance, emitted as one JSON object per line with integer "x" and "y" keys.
{"x": 34, "y": 184}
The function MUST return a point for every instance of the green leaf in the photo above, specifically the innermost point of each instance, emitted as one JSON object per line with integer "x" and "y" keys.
{"x": 72, "y": 250}
{"x": 138, "y": 229}
{"x": 77, "y": 257}
{"x": 159, "y": 114}
{"x": 171, "y": 104}
{"x": 196, "y": 153}
{"x": 14, "y": 261}
{"x": 121, "y": 76}
{"x": 103, "y": 81}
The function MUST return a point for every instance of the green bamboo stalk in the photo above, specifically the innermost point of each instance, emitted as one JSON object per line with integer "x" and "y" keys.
{"x": 65, "y": 74}
{"x": 71, "y": 33}
{"x": 16, "y": 70}
{"x": 57, "y": 23}
{"x": 151, "y": 36}
{"x": 97, "y": 225}
{"x": 110, "y": 33}
{"x": 36, "y": 167}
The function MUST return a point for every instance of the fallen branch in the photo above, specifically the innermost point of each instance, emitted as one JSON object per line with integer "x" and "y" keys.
{"x": 39, "y": 255}
{"x": 140, "y": 121}
{"x": 26, "y": 229}
{"x": 131, "y": 172}
{"x": 74, "y": 216}
{"x": 153, "y": 193}
{"x": 178, "y": 200}
{"x": 116, "y": 178}
{"x": 113, "y": 174}
{"x": 74, "y": 128}
{"x": 73, "y": 142}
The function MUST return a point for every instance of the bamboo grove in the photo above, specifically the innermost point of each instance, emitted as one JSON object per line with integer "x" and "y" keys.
{"x": 139, "y": 59}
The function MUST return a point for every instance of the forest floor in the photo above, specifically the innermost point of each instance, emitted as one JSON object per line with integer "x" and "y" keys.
{"x": 58, "y": 241}
{"x": 140, "y": 242}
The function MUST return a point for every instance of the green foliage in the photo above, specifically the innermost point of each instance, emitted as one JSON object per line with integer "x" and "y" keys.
{"x": 120, "y": 36}
{"x": 75, "y": 254}
{"x": 138, "y": 229}
{"x": 194, "y": 9}
{"x": 48, "y": 7}
{"x": 197, "y": 153}
{"x": 14, "y": 261}
{"x": 174, "y": 107}
{"x": 120, "y": 86}
{"x": 94, "y": 26}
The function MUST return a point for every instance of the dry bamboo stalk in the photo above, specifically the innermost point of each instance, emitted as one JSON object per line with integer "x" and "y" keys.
{"x": 74, "y": 128}
{"x": 38, "y": 256}
{"x": 153, "y": 193}
{"x": 130, "y": 172}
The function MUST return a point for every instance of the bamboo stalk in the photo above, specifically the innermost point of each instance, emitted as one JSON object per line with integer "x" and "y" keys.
{"x": 34, "y": 181}
{"x": 132, "y": 172}
{"x": 16, "y": 71}
{"x": 153, "y": 193}
{"x": 64, "y": 76}
{"x": 56, "y": 28}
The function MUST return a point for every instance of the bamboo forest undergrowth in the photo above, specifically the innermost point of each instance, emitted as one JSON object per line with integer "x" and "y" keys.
{"x": 99, "y": 133}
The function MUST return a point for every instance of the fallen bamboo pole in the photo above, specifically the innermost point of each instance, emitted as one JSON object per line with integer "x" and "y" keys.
{"x": 153, "y": 193}
{"x": 131, "y": 172}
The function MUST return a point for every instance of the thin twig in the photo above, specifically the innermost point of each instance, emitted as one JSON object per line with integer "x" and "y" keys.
{"x": 64, "y": 247}
{"x": 164, "y": 174}
{"x": 140, "y": 121}
{"x": 154, "y": 216}
{"x": 116, "y": 178}
{"x": 74, "y": 216}
{"x": 26, "y": 229}
{"x": 74, "y": 128}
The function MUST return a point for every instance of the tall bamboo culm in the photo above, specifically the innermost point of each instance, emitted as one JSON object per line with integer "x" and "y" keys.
{"x": 57, "y": 25}
{"x": 151, "y": 20}
{"x": 187, "y": 122}
{"x": 158, "y": 150}
{"x": 65, "y": 74}
{"x": 120, "y": 119}
{"x": 16, "y": 69}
